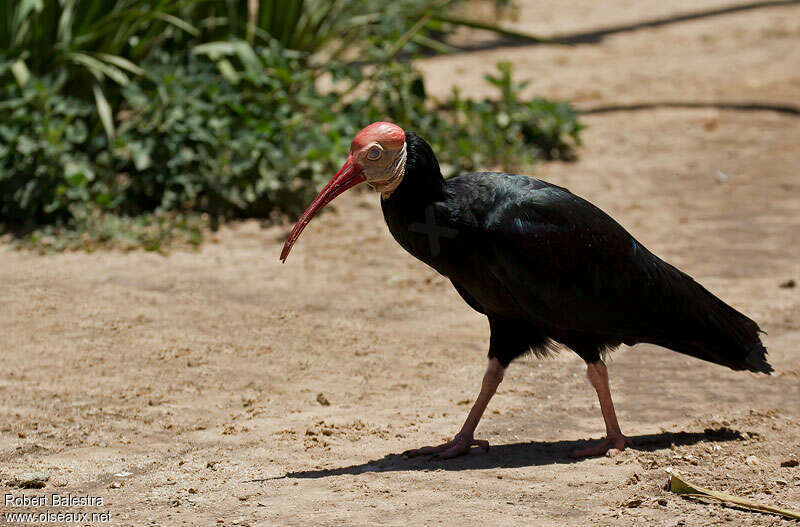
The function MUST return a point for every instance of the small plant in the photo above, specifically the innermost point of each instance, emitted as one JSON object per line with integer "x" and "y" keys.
{"x": 256, "y": 144}
{"x": 52, "y": 158}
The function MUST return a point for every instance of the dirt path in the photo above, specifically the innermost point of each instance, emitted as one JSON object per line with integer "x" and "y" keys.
{"x": 199, "y": 372}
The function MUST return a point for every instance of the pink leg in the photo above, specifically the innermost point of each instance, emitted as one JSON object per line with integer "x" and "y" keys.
{"x": 614, "y": 442}
{"x": 464, "y": 440}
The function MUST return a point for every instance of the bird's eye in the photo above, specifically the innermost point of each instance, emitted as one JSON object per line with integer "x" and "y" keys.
{"x": 374, "y": 153}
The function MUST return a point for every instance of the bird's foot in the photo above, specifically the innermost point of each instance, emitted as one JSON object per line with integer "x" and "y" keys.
{"x": 460, "y": 445}
{"x": 610, "y": 446}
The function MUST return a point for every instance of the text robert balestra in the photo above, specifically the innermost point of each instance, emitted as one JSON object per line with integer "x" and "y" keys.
{"x": 52, "y": 500}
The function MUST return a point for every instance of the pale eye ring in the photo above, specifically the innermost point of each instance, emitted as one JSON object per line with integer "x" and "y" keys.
{"x": 374, "y": 153}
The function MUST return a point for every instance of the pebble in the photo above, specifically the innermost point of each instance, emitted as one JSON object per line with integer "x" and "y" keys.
{"x": 752, "y": 461}
{"x": 321, "y": 399}
{"x": 634, "y": 502}
{"x": 31, "y": 480}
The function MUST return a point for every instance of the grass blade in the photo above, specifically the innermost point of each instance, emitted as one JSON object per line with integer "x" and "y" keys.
{"x": 121, "y": 62}
{"x": 215, "y": 50}
{"x": 98, "y": 68}
{"x": 177, "y": 22}
{"x": 104, "y": 110}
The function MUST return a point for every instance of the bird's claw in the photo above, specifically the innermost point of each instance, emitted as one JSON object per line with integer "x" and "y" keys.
{"x": 460, "y": 445}
{"x": 610, "y": 446}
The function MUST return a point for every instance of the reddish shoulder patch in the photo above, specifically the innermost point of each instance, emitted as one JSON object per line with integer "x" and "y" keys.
{"x": 388, "y": 134}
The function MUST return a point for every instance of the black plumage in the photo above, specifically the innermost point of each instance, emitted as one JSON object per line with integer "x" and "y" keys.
{"x": 545, "y": 265}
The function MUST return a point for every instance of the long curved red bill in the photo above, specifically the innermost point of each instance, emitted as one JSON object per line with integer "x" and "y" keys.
{"x": 347, "y": 177}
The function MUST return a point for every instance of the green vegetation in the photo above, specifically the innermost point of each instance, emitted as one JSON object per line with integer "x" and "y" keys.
{"x": 132, "y": 129}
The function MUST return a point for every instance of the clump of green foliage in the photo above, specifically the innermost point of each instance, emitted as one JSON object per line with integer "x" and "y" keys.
{"x": 226, "y": 129}
{"x": 254, "y": 147}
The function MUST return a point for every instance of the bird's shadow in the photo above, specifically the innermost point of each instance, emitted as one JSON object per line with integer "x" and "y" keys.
{"x": 515, "y": 455}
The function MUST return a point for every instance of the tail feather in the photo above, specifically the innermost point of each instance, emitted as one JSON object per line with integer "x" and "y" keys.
{"x": 756, "y": 360}
{"x": 705, "y": 327}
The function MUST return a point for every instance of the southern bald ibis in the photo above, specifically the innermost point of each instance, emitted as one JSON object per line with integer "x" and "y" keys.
{"x": 543, "y": 265}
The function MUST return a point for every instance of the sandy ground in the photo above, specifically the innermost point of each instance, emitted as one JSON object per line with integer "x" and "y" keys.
{"x": 199, "y": 373}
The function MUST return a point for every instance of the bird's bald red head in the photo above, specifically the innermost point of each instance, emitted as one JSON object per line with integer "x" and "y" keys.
{"x": 379, "y": 150}
{"x": 387, "y": 134}
{"x": 377, "y": 157}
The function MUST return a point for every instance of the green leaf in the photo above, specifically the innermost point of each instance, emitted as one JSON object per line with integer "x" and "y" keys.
{"x": 141, "y": 155}
{"x": 177, "y": 22}
{"x": 104, "y": 111}
{"x": 121, "y": 62}
{"x": 215, "y": 50}
{"x": 228, "y": 71}
{"x": 249, "y": 59}
{"x": 98, "y": 68}
{"x": 21, "y": 72}
{"x": 77, "y": 132}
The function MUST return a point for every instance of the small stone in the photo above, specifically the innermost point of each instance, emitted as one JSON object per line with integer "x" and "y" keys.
{"x": 31, "y": 480}
{"x": 115, "y": 485}
{"x": 790, "y": 463}
{"x": 752, "y": 461}
{"x": 192, "y": 490}
{"x": 719, "y": 177}
{"x": 634, "y": 502}
{"x": 321, "y": 399}
{"x": 663, "y": 502}
{"x": 788, "y": 284}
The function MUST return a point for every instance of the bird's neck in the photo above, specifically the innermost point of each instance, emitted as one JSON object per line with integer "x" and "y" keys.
{"x": 422, "y": 181}
{"x": 414, "y": 202}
